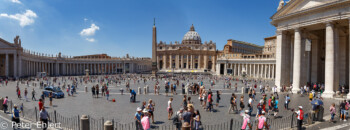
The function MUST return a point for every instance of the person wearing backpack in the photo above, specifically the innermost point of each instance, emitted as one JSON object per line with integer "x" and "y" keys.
{"x": 246, "y": 121}
{"x": 300, "y": 117}
{"x": 262, "y": 122}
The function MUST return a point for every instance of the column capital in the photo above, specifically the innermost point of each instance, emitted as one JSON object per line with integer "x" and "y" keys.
{"x": 329, "y": 23}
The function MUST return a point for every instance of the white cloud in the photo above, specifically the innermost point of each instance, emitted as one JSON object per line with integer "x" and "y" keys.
{"x": 24, "y": 19}
{"x": 85, "y": 19}
{"x": 16, "y": 1}
{"x": 89, "y": 31}
{"x": 90, "y": 39}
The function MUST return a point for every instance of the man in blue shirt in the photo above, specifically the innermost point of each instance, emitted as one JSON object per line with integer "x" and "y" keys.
{"x": 15, "y": 115}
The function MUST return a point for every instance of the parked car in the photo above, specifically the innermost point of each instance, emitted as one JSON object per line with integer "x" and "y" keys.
{"x": 56, "y": 92}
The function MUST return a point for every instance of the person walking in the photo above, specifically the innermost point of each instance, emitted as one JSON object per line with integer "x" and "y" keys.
{"x": 286, "y": 103}
{"x": 145, "y": 121}
{"x": 107, "y": 94}
{"x": 4, "y": 104}
{"x": 15, "y": 116}
{"x": 217, "y": 98}
{"x": 170, "y": 108}
{"x": 262, "y": 122}
{"x": 241, "y": 104}
{"x": 250, "y": 105}
{"x": 93, "y": 91}
{"x": 50, "y": 97}
{"x": 150, "y": 108}
{"x": 332, "y": 110}
{"x": 197, "y": 119}
{"x": 232, "y": 103}
{"x": 246, "y": 121}
{"x": 33, "y": 95}
{"x": 26, "y": 94}
{"x": 40, "y": 104}
{"x": 343, "y": 111}
{"x": 300, "y": 117}
{"x": 137, "y": 118}
{"x": 44, "y": 118}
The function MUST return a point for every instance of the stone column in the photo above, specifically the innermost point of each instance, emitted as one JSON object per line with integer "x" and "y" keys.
{"x": 234, "y": 70}
{"x": 177, "y": 61}
{"x": 192, "y": 62}
{"x": 329, "y": 65}
{"x": 348, "y": 96}
{"x": 182, "y": 61}
{"x": 239, "y": 69}
{"x": 254, "y": 75}
{"x": 214, "y": 63}
{"x": 187, "y": 59}
{"x": 269, "y": 72}
{"x": 280, "y": 54}
{"x": 7, "y": 65}
{"x": 250, "y": 70}
{"x": 273, "y": 71}
{"x": 297, "y": 61}
{"x": 15, "y": 65}
{"x": 199, "y": 61}
{"x": 205, "y": 62}
{"x": 20, "y": 65}
{"x": 158, "y": 65}
{"x": 225, "y": 69}
{"x": 164, "y": 61}
{"x": 258, "y": 72}
{"x": 171, "y": 61}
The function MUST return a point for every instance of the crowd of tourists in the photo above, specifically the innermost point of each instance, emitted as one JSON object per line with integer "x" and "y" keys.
{"x": 194, "y": 89}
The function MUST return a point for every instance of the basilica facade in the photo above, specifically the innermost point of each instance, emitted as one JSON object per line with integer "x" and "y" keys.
{"x": 188, "y": 56}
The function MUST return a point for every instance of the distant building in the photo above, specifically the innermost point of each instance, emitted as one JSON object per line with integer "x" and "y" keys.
{"x": 15, "y": 61}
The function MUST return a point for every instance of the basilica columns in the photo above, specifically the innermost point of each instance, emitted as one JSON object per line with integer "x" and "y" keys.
{"x": 297, "y": 61}
{"x": 330, "y": 58}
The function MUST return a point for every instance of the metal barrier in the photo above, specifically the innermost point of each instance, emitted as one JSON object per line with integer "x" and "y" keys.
{"x": 73, "y": 122}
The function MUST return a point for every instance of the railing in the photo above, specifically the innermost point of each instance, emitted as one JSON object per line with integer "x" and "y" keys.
{"x": 73, "y": 122}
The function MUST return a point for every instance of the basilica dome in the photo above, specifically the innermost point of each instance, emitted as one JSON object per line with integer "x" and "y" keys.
{"x": 191, "y": 37}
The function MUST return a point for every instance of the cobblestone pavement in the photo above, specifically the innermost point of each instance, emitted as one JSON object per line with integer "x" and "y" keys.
{"x": 123, "y": 111}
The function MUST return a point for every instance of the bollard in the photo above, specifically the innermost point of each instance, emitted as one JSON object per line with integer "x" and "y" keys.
{"x": 147, "y": 88}
{"x": 144, "y": 90}
{"x": 139, "y": 92}
{"x": 186, "y": 126}
{"x": 1, "y": 101}
{"x": 108, "y": 125}
{"x": 242, "y": 90}
{"x": 86, "y": 90}
{"x": 84, "y": 122}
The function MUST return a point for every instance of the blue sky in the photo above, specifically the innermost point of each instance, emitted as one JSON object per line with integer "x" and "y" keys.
{"x": 118, "y": 27}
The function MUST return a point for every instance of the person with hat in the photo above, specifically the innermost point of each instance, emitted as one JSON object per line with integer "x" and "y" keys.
{"x": 246, "y": 121}
{"x": 300, "y": 117}
{"x": 15, "y": 115}
{"x": 145, "y": 120}
{"x": 137, "y": 118}
{"x": 262, "y": 122}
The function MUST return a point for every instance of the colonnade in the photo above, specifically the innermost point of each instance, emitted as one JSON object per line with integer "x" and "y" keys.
{"x": 190, "y": 61}
{"x": 54, "y": 68}
{"x": 252, "y": 70}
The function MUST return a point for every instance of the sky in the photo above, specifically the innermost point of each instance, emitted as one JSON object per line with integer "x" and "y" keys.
{"x": 120, "y": 27}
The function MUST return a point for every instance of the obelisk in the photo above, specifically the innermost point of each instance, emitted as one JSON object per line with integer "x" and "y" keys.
{"x": 154, "y": 49}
